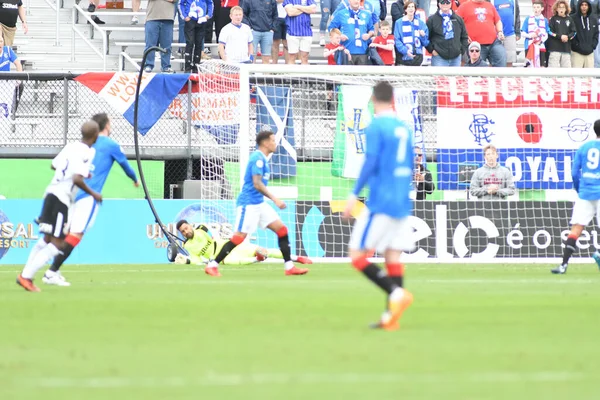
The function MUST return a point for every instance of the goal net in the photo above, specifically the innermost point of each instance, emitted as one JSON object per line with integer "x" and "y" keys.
{"x": 535, "y": 118}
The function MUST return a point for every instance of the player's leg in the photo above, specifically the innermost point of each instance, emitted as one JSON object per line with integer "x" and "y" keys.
{"x": 262, "y": 254}
{"x": 583, "y": 212}
{"x": 52, "y": 224}
{"x": 270, "y": 219}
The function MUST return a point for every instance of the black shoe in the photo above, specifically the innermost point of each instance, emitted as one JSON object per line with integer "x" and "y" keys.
{"x": 91, "y": 7}
{"x": 560, "y": 270}
{"x": 98, "y": 21}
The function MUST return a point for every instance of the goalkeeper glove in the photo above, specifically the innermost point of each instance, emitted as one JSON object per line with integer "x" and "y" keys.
{"x": 181, "y": 259}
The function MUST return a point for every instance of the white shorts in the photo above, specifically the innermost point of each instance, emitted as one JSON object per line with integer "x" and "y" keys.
{"x": 299, "y": 43}
{"x": 584, "y": 211}
{"x": 83, "y": 214}
{"x": 510, "y": 46}
{"x": 381, "y": 232}
{"x": 250, "y": 217}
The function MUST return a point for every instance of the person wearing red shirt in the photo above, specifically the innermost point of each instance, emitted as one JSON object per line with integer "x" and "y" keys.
{"x": 333, "y": 47}
{"x": 484, "y": 26}
{"x": 384, "y": 44}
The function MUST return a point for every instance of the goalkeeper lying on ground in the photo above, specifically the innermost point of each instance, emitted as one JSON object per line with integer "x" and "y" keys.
{"x": 202, "y": 247}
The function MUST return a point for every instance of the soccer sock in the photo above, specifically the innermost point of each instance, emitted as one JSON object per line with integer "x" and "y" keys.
{"x": 40, "y": 259}
{"x": 274, "y": 253}
{"x": 226, "y": 249}
{"x": 375, "y": 274}
{"x": 40, "y": 244}
{"x": 70, "y": 243}
{"x": 284, "y": 244}
{"x": 570, "y": 248}
{"x": 396, "y": 273}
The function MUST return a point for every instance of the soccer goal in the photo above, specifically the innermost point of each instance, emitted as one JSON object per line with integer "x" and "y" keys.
{"x": 535, "y": 118}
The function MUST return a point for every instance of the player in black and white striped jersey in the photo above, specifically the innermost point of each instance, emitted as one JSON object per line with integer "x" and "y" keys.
{"x": 71, "y": 166}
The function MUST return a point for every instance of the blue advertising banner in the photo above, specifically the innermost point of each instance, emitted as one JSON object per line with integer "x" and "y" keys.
{"x": 125, "y": 231}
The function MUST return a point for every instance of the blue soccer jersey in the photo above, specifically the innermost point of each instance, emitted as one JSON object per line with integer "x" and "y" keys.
{"x": 257, "y": 165}
{"x": 107, "y": 151}
{"x": 586, "y": 170}
{"x": 388, "y": 166}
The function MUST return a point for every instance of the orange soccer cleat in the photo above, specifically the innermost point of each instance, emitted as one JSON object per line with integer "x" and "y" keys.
{"x": 212, "y": 271}
{"x": 27, "y": 284}
{"x": 396, "y": 308}
{"x": 304, "y": 260}
{"x": 296, "y": 271}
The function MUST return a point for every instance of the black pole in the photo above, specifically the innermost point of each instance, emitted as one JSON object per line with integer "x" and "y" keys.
{"x": 157, "y": 219}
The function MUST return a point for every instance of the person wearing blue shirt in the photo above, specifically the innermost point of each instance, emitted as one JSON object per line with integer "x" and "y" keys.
{"x": 252, "y": 211}
{"x": 367, "y": 5}
{"x": 357, "y": 29}
{"x": 384, "y": 226}
{"x": 586, "y": 181}
{"x": 7, "y": 57}
{"x": 86, "y": 208}
{"x": 195, "y": 13}
{"x": 511, "y": 26}
{"x": 411, "y": 36}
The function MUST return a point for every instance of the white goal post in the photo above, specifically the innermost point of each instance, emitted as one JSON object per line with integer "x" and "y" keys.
{"x": 536, "y": 118}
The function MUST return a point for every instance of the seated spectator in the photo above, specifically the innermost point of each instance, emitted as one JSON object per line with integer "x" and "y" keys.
{"x": 299, "y": 34}
{"x": 382, "y": 47}
{"x": 261, "y": 16}
{"x": 562, "y": 31}
{"x": 535, "y": 30}
{"x": 448, "y": 38}
{"x": 235, "y": 40}
{"x": 492, "y": 181}
{"x": 422, "y": 177}
{"x": 7, "y": 57}
{"x": 357, "y": 29}
{"x": 586, "y": 36}
{"x": 335, "y": 53}
{"x": 195, "y": 13}
{"x": 411, "y": 37}
{"x": 484, "y": 26}
{"x": 475, "y": 56}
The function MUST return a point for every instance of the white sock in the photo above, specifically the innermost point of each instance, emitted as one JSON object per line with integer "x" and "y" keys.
{"x": 212, "y": 264}
{"x": 49, "y": 273}
{"x": 41, "y": 258}
{"x": 397, "y": 294}
{"x": 294, "y": 258}
{"x": 289, "y": 265}
{"x": 40, "y": 244}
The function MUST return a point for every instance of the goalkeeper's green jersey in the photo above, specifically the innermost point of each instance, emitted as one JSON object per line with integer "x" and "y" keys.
{"x": 202, "y": 246}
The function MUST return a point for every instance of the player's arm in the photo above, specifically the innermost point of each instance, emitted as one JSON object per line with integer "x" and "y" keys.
{"x": 576, "y": 169}
{"x": 262, "y": 189}
{"x": 121, "y": 158}
{"x": 78, "y": 180}
{"x": 428, "y": 184}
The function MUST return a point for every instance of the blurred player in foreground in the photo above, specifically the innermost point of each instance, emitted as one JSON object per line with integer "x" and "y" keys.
{"x": 384, "y": 226}
{"x": 203, "y": 246}
{"x": 71, "y": 166}
{"x": 252, "y": 211}
{"x": 86, "y": 207}
{"x": 586, "y": 181}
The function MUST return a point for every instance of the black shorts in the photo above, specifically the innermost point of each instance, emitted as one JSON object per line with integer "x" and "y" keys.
{"x": 280, "y": 29}
{"x": 54, "y": 218}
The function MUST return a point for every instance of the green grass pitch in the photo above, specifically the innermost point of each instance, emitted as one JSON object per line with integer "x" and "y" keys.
{"x": 171, "y": 332}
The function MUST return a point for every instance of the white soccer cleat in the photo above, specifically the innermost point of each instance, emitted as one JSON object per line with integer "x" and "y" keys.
{"x": 55, "y": 278}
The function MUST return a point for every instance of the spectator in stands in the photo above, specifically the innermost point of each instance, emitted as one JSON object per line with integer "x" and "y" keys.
{"x": 535, "y": 30}
{"x": 299, "y": 34}
{"x": 475, "y": 56}
{"x": 424, "y": 5}
{"x": 594, "y": 9}
{"x": 180, "y": 28}
{"x": 208, "y": 29}
{"x": 356, "y": 25}
{"x": 91, "y": 8}
{"x": 562, "y": 31}
{"x": 235, "y": 40}
{"x": 159, "y": 31}
{"x": 279, "y": 35}
{"x": 484, "y": 26}
{"x": 261, "y": 16}
{"x": 135, "y": 7}
{"x": 586, "y": 38}
{"x": 10, "y": 10}
{"x": 327, "y": 9}
{"x": 7, "y": 57}
{"x": 371, "y": 6}
{"x": 492, "y": 181}
{"x": 335, "y": 53}
{"x": 397, "y": 11}
{"x": 383, "y": 45}
{"x": 511, "y": 25}
{"x": 411, "y": 36}
{"x": 422, "y": 177}
{"x": 223, "y": 15}
{"x": 448, "y": 38}
{"x": 195, "y": 13}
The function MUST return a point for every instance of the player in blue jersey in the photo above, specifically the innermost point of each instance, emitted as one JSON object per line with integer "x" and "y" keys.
{"x": 86, "y": 208}
{"x": 586, "y": 181}
{"x": 252, "y": 211}
{"x": 383, "y": 226}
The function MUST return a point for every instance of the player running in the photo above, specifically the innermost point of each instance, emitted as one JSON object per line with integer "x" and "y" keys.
{"x": 71, "y": 166}
{"x": 384, "y": 226}
{"x": 86, "y": 207}
{"x": 203, "y": 246}
{"x": 586, "y": 181}
{"x": 252, "y": 211}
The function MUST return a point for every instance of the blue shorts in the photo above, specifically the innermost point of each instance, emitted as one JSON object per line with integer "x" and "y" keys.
{"x": 265, "y": 39}
{"x": 280, "y": 29}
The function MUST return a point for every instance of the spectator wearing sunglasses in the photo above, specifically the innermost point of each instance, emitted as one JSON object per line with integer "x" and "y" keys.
{"x": 448, "y": 39}
{"x": 475, "y": 56}
{"x": 423, "y": 179}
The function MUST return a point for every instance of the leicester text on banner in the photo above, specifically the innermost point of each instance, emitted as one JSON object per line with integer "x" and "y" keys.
{"x": 536, "y": 123}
